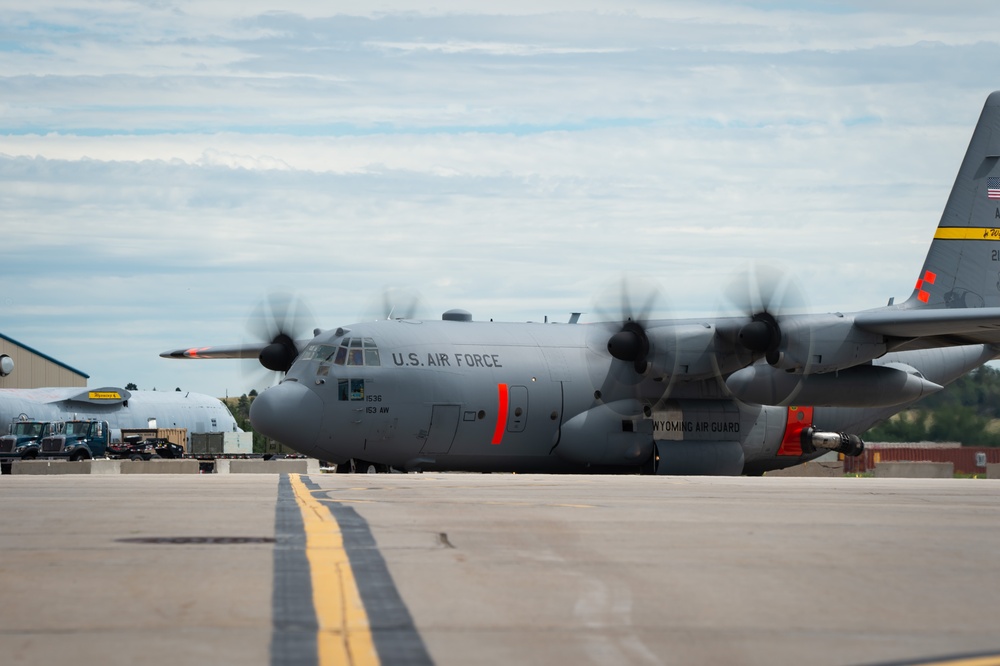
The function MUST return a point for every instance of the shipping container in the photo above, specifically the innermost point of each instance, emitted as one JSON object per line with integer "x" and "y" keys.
{"x": 221, "y": 443}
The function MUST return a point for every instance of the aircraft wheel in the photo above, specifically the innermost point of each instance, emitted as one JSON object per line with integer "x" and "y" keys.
{"x": 347, "y": 467}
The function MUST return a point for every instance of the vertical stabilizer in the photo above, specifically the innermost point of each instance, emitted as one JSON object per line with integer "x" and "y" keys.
{"x": 962, "y": 268}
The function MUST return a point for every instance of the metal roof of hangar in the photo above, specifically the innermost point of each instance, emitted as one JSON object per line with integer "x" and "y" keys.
{"x": 44, "y": 356}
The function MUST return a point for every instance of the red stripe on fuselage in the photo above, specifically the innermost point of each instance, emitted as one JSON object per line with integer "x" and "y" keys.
{"x": 501, "y": 414}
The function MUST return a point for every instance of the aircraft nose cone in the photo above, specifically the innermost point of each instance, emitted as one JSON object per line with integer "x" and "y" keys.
{"x": 289, "y": 413}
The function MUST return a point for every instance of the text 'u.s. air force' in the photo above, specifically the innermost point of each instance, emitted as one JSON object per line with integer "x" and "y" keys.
{"x": 444, "y": 360}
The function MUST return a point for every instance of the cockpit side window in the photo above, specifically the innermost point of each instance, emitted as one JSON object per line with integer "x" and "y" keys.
{"x": 321, "y": 353}
{"x": 351, "y": 389}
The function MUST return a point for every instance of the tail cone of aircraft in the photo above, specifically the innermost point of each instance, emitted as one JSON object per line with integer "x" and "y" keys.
{"x": 291, "y": 414}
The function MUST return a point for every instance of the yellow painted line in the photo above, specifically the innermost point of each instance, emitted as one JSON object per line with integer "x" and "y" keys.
{"x": 989, "y": 660}
{"x": 344, "y": 635}
{"x": 968, "y": 233}
{"x": 992, "y": 660}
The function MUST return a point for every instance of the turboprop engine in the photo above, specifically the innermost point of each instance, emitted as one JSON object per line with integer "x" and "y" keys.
{"x": 813, "y": 343}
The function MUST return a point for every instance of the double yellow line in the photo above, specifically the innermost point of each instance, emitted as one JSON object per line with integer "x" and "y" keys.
{"x": 344, "y": 635}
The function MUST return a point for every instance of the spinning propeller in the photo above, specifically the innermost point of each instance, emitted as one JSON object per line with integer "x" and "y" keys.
{"x": 636, "y": 304}
{"x": 395, "y": 303}
{"x": 765, "y": 294}
{"x": 625, "y": 315}
{"x": 768, "y": 296}
{"x": 285, "y": 322}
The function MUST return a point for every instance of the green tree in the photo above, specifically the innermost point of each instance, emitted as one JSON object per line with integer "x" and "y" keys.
{"x": 907, "y": 426}
{"x": 961, "y": 412}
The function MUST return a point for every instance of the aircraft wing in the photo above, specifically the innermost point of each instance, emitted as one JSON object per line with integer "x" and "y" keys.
{"x": 218, "y": 351}
{"x": 938, "y": 326}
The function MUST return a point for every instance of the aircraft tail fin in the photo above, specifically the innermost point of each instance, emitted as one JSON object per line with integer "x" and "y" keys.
{"x": 962, "y": 268}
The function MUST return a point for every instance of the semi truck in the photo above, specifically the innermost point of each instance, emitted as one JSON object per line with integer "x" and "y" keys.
{"x": 79, "y": 440}
{"x": 23, "y": 439}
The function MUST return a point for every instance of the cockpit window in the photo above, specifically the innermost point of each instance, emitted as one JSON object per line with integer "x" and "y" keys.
{"x": 319, "y": 352}
{"x": 357, "y": 351}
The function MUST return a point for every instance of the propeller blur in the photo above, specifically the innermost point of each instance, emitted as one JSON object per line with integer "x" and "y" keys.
{"x": 743, "y": 394}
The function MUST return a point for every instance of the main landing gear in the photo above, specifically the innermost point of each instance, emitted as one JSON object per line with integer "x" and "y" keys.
{"x": 356, "y": 466}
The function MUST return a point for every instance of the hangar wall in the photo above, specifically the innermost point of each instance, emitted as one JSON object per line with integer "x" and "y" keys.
{"x": 33, "y": 369}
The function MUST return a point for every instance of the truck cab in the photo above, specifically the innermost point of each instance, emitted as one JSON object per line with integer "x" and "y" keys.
{"x": 77, "y": 440}
{"x": 23, "y": 439}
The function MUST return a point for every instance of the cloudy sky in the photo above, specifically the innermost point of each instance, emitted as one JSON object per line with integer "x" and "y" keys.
{"x": 165, "y": 165}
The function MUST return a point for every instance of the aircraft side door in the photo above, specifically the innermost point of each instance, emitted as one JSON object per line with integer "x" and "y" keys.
{"x": 441, "y": 433}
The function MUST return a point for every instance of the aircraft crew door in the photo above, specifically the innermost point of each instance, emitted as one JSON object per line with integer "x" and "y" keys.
{"x": 444, "y": 424}
{"x": 517, "y": 415}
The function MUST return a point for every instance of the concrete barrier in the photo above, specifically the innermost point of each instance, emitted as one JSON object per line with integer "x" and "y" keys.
{"x": 65, "y": 467}
{"x": 993, "y": 470}
{"x": 159, "y": 467}
{"x": 281, "y": 466}
{"x": 915, "y": 470}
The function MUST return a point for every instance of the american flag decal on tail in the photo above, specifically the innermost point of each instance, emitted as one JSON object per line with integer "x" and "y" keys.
{"x": 993, "y": 187}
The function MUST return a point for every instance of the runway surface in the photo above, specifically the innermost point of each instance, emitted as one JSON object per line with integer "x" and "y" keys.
{"x": 490, "y": 569}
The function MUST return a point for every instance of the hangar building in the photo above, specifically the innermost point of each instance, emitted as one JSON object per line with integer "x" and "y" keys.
{"x": 22, "y": 367}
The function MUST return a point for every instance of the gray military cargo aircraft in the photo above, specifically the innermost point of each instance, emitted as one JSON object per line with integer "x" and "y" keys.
{"x": 728, "y": 395}
{"x": 119, "y": 407}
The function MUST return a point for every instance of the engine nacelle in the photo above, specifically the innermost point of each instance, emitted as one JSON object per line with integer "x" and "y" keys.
{"x": 813, "y": 438}
{"x": 683, "y": 351}
{"x": 859, "y": 386}
{"x": 824, "y": 343}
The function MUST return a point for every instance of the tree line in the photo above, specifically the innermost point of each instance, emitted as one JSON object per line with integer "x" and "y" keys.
{"x": 966, "y": 411}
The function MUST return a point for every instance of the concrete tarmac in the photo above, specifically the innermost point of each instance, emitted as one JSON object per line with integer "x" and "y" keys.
{"x": 489, "y": 569}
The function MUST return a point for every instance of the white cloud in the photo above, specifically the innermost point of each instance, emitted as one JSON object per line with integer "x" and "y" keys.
{"x": 164, "y": 166}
